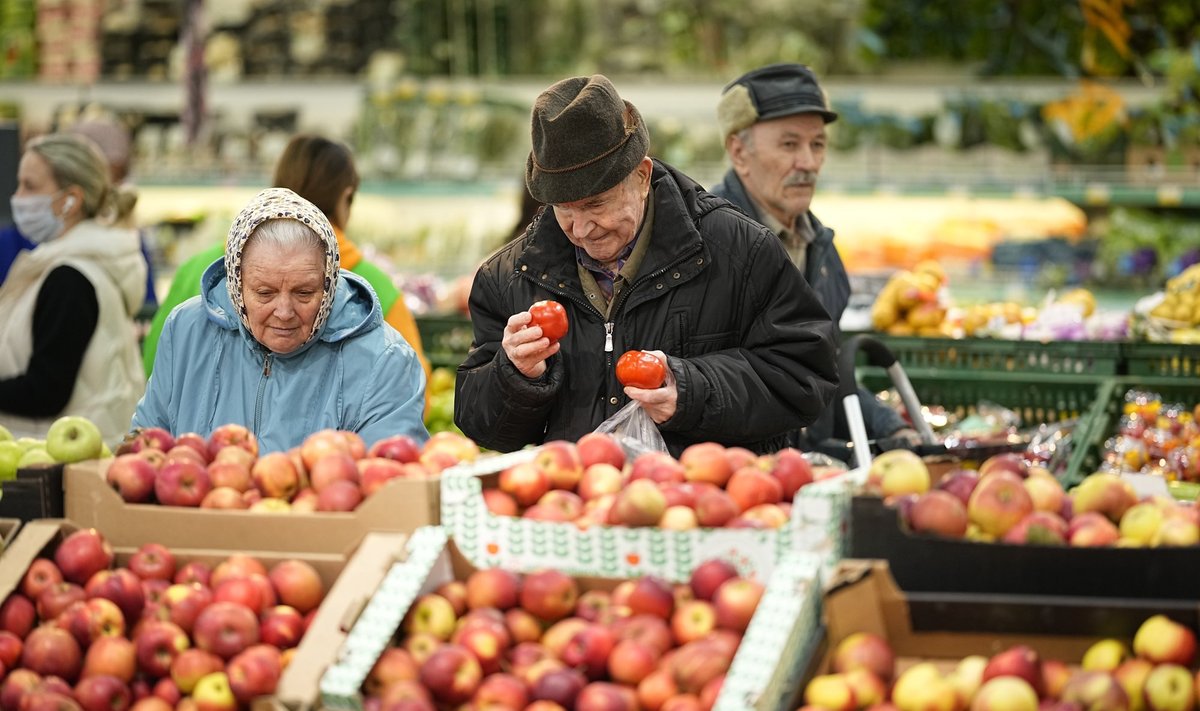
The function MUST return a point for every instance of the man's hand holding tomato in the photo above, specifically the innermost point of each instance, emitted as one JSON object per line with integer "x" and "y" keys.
{"x": 527, "y": 337}
{"x": 659, "y": 402}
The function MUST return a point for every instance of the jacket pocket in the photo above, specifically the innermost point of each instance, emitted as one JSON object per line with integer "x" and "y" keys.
{"x": 702, "y": 343}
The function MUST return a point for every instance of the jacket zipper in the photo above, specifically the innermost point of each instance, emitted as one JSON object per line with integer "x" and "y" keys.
{"x": 610, "y": 325}
{"x": 262, "y": 386}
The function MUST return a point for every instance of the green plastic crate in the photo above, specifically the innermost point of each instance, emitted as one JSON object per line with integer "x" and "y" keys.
{"x": 1102, "y": 420}
{"x": 445, "y": 339}
{"x": 1162, "y": 359}
{"x": 1097, "y": 359}
{"x": 1035, "y": 397}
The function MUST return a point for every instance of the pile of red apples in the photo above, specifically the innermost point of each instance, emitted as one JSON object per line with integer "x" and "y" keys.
{"x": 1013, "y": 501}
{"x": 1156, "y": 676}
{"x": 503, "y": 641}
{"x": 153, "y": 635}
{"x": 332, "y": 470}
{"x": 709, "y": 486}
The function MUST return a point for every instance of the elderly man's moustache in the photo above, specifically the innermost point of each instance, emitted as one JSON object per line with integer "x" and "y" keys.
{"x": 802, "y": 178}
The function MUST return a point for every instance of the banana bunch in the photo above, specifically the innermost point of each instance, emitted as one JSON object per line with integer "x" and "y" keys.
{"x": 1181, "y": 299}
{"x": 910, "y": 304}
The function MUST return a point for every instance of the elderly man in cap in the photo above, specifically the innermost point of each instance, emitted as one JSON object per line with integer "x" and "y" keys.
{"x": 642, "y": 258}
{"x": 773, "y": 120}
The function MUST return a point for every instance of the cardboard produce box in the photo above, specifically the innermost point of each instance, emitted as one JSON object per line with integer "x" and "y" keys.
{"x": 402, "y": 505}
{"x": 764, "y": 672}
{"x": 943, "y": 628}
{"x": 348, "y": 580}
{"x": 817, "y": 525}
{"x": 9, "y": 527}
{"x": 921, "y": 562}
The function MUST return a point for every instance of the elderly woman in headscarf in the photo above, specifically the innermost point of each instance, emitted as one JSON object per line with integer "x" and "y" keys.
{"x": 282, "y": 341}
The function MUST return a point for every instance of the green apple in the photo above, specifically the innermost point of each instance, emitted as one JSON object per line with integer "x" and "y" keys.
{"x": 28, "y": 443}
{"x": 105, "y": 452}
{"x": 35, "y": 456}
{"x": 5, "y": 435}
{"x": 10, "y": 454}
{"x": 74, "y": 439}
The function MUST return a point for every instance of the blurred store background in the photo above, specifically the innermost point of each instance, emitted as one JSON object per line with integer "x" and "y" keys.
{"x": 1030, "y": 147}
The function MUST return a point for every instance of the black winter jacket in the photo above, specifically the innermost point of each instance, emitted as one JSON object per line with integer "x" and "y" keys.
{"x": 826, "y": 274}
{"x": 751, "y": 348}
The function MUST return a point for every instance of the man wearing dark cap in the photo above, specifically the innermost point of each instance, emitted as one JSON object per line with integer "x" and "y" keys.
{"x": 773, "y": 121}
{"x": 642, "y": 258}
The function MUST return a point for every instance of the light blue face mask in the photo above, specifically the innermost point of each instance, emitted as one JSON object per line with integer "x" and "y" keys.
{"x": 35, "y": 218}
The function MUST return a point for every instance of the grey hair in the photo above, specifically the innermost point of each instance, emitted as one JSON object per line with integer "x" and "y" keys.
{"x": 76, "y": 161}
{"x": 746, "y": 136}
{"x": 285, "y": 235}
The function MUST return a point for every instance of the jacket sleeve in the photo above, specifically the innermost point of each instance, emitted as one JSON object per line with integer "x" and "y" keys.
{"x": 881, "y": 420}
{"x": 494, "y": 404}
{"x": 398, "y": 407}
{"x": 783, "y": 375}
{"x": 154, "y": 409}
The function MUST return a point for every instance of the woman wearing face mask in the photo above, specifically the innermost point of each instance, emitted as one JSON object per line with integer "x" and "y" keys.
{"x": 68, "y": 304}
{"x": 282, "y": 341}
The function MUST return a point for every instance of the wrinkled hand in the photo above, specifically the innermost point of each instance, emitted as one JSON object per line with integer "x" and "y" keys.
{"x": 659, "y": 403}
{"x": 525, "y": 345}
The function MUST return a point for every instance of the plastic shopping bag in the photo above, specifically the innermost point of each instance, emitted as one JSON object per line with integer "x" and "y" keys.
{"x": 634, "y": 430}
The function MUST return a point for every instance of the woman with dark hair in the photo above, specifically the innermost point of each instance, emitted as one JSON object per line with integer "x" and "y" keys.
{"x": 321, "y": 171}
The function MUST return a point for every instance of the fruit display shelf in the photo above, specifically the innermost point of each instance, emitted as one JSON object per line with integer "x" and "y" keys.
{"x": 1106, "y": 413}
{"x": 815, "y": 525}
{"x": 930, "y": 563}
{"x": 1161, "y": 359}
{"x": 445, "y": 339}
{"x": 763, "y": 673}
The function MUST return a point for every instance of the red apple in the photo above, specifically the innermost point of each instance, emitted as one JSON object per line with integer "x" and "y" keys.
{"x": 589, "y": 649}
{"x": 395, "y": 664}
{"x": 432, "y": 614}
{"x": 792, "y": 471}
{"x": 298, "y": 583}
{"x": 605, "y": 696}
{"x": 242, "y": 591}
{"x": 960, "y": 482}
{"x": 486, "y": 643}
{"x": 864, "y": 650}
{"x": 652, "y": 632}
{"x": 182, "y": 603}
{"x": 715, "y": 508}
{"x": 194, "y": 572}
{"x": 735, "y": 602}
{"x": 182, "y": 483}
{"x": 561, "y": 686}
{"x": 275, "y": 476}
{"x": 333, "y": 467}
{"x": 255, "y": 672}
{"x": 41, "y": 574}
{"x": 166, "y": 690}
{"x": 377, "y": 472}
{"x": 56, "y": 598}
{"x": 82, "y": 554}
{"x": 640, "y": 503}
{"x": 749, "y": 487}
{"x": 52, "y": 651}
{"x": 158, "y": 643}
{"x": 112, "y": 656}
{"x": 18, "y": 684}
{"x": 600, "y": 448}
{"x": 1039, "y": 527}
{"x": 151, "y": 438}
{"x": 282, "y": 626}
{"x": 693, "y": 620}
{"x": 549, "y": 594}
{"x": 706, "y": 462}
{"x": 653, "y": 596}
{"x": 225, "y": 628}
{"x": 192, "y": 665}
{"x": 196, "y": 442}
{"x": 631, "y": 661}
{"x": 709, "y": 575}
{"x": 1020, "y": 661}
{"x": 238, "y": 565}
{"x": 559, "y": 461}
{"x": 398, "y": 448}
{"x": 501, "y": 692}
{"x": 10, "y": 649}
{"x": 493, "y": 587}
{"x": 234, "y": 435}
{"x": 998, "y": 503}
{"x": 524, "y": 482}
{"x": 183, "y": 454}
{"x": 499, "y": 503}
{"x": 132, "y": 476}
{"x": 153, "y": 561}
{"x": 1009, "y": 462}
{"x": 122, "y": 587}
{"x": 339, "y": 496}
{"x": 452, "y": 674}
{"x": 18, "y": 615}
{"x": 939, "y": 512}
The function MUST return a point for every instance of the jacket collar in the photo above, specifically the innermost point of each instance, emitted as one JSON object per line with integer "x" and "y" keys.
{"x": 733, "y": 187}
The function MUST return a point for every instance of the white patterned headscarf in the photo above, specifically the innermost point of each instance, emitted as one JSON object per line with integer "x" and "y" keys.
{"x": 280, "y": 204}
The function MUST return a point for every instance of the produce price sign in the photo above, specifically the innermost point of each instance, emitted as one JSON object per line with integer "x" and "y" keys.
{"x": 818, "y": 525}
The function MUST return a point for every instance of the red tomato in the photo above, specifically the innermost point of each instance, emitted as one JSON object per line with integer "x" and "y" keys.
{"x": 552, "y": 317}
{"x": 641, "y": 370}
